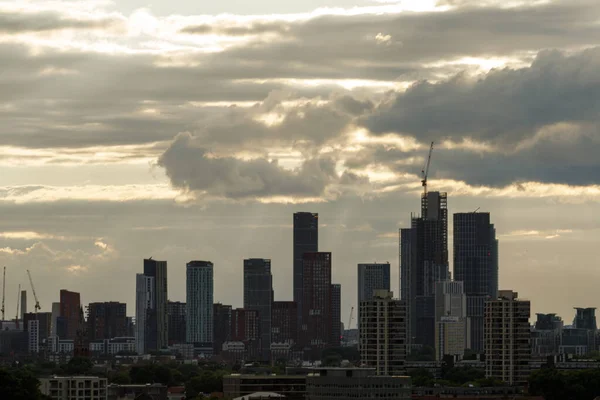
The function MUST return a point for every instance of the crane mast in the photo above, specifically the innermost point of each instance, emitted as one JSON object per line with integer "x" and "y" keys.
{"x": 425, "y": 170}
{"x": 3, "y": 292}
{"x": 37, "y": 303}
{"x": 350, "y": 319}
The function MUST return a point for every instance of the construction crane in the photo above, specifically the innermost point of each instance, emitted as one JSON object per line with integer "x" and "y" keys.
{"x": 18, "y": 304}
{"x": 37, "y": 303}
{"x": 425, "y": 170}
{"x": 3, "y": 292}
{"x": 350, "y": 319}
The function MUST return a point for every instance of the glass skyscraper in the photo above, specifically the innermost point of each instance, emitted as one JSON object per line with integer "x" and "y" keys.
{"x": 199, "y": 302}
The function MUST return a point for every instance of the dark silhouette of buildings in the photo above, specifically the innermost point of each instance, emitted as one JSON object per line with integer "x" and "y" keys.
{"x": 245, "y": 328}
{"x": 476, "y": 265}
{"x": 585, "y": 318}
{"x": 306, "y": 240}
{"x": 284, "y": 322}
{"x": 315, "y": 332}
{"x": 70, "y": 303}
{"x": 371, "y": 277}
{"x": 221, "y": 326}
{"x": 157, "y": 329}
{"x": 258, "y": 295}
{"x": 177, "y": 322}
{"x": 199, "y": 294}
{"x": 107, "y": 320}
{"x": 336, "y": 315}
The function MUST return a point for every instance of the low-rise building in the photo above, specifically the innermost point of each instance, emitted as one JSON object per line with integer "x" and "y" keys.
{"x": 156, "y": 391}
{"x": 74, "y": 387}
{"x": 356, "y": 384}
{"x": 291, "y": 386}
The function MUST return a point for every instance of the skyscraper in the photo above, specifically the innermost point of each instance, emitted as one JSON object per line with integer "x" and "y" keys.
{"x": 382, "y": 333}
{"x": 245, "y": 328}
{"x": 306, "y": 240}
{"x": 107, "y": 320}
{"x": 452, "y": 331}
{"x": 70, "y": 303}
{"x": 585, "y": 318}
{"x": 336, "y": 315}
{"x": 258, "y": 295}
{"x": 144, "y": 304}
{"x": 221, "y": 326}
{"x": 284, "y": 322}
{"x": 507, "y": 338}
{"x": 157, "y": 336}
{"x": 315, "y": 332}
{"x": 23, "y": 304}
{"x": 199, "y": 289}
{"x": 177, "y": 322}
{"x": 372, "y": 277}
{"x": 424, "y": 261}
{"x": 476, "y": 265}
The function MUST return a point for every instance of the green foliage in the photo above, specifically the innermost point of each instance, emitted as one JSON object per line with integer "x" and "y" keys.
{"x": 425, "y": 353}
{"x": 421, "y": 377}
{"x": 19, "y": 384}
{"x": 120, "y": 378}
{"x": 458, "y": 376}
{"x": 557, "y": 385}
{"x": 77, "y": 366}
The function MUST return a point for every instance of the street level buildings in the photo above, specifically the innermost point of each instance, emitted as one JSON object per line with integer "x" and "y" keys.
{"x": 74, "y": 388}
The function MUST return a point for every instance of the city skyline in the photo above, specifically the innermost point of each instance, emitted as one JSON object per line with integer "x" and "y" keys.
{"x": 180, "y": 133}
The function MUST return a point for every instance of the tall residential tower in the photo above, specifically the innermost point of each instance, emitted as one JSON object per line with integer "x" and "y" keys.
{"x": 306, "y": 240}
{"x": 258, "y": 295}
{"x": 199, "y": 303}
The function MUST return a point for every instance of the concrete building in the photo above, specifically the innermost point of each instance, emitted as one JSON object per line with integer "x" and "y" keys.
{"x": 372, "y": 277}
{"x": 177, "y": 322}
{"x": 382, "y": 333}
{"x": 199, "y": 292}
{"x": 306, "y": 240}
{"x": 74, "y": 388}
{"x": 476, "y": 265}
{"x": 546, "y": 335}
{"x": 155, "y": 391}
{"x": 221, "y": 326}
{"x": 258, "y": 295}
{"x": 144, "y": 301}
{"x": 23, "y": 304}
{"x": 113, "y": 346}
{"x": 585, "y": 318}
{"x": 33, "y": 336}
{"x": 291, "y": 386}
{"x": 336, "y": 315}
{"x": 507, "y": 338}
{"x": 284, "y": 322}
{"x": 245, "y": 328}
{"x": 450, "y": 337}
{"x": 107, "y": 320}
{"x": 355, "y": 383}
{"x": 315, "y": 330}
{"x": 157, "y": 335}
{"x": 70, "y": 304}
{"x": 424, "y": 261}
{"x": 452, "y": 333}
{"x": 55, "y": 317}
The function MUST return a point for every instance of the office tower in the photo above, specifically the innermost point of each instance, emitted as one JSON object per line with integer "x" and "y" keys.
{"x": 157, "y": 336}
{"x": 258, "y": 295}
{"x": 336, "y": 315}
{"x": 69, "y": 310}
{"x": 306, "y": 240}
{"x": 451, "y": 323}
{"x": 144, "y": 304}
{"x": 23, "y": 304}
{"x": 245, "y": 328}
{"x": 372, "y": 277}
{"x": 221, "y": 327}
{"x": 55, "y": 317}
{"x": 130, "y": 327}
{"x": 476, "y": 265}
{"x": 284, "y": 322}
{"x": 585, "y": 318}
{"x": 507, "y": 338}
{"x": 315, "y": 332}
{"x": 382, "y": 333}
{"x": 546, "y": 335}
{"x": 199, "y": 289}
{"x": 424, "y": 261}
{"x": 177, "y": 322}
{"x": 107, "y": 320}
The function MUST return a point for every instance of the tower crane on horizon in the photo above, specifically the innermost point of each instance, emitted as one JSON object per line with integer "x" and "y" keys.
{"x": 3, "y": 292}
{"x": 350, "y": 319}
{"x": 37, "y": 303}
{"x": 425, "y": 170}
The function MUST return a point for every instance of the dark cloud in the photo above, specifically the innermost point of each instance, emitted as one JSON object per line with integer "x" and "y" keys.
{"x": 12, "y": 22}
{"x": 255, "y": 28}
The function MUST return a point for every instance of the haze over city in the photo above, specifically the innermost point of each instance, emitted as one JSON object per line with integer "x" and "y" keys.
{"x": 185, "y": 132}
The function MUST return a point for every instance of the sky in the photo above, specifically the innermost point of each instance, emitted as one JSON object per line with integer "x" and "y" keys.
{"x": 194, "y": 130}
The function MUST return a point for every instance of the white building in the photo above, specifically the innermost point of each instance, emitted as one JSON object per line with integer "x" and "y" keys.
{"x": 33, "y": 336}
{"x": 114, "y": 346}
{"x": 199, "y": 302}
{"x": 74, "y": 388}
{"x": 450, "y": 337}
{"x": 144, "y": 301}
{"x": 452, "y": 328}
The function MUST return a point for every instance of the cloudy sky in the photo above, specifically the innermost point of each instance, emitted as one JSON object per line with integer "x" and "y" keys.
{"x": 193, "y": 130}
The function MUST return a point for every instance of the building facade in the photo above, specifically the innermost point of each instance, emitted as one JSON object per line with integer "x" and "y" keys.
{"x": 476, "y": 265}
{"x": 70, "y": 303}
{"x": 336, "y": 315}
{"x": 315, "y": 332}
{"x": 157, "y": 336}
{"x": 585, "y": 318}
{"x": 199, "y": 294}
{"x": 507, "y": 338}
{"x": 293, "y": 387}
{"x": 177, "y": 312}
{"x": 107, "y": 320}
{"x": 258, "y": 295}
{"x": 221, "y": 327}
{"x": 306, "y": 240}
{"x": 74, "y": 388}
{"x": 372, "y": 277}
{"x": 284, "y": 322}
{"x": 382, "y": 333}
{"x": 245, "y": 328}
{"x": 452, "y": 330}
{"x": 144, "y": 303}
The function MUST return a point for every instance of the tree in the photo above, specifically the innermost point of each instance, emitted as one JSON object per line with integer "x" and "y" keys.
{"x": 141, "y": 374}
{"x": 422, "y": 377}
{"x": 121, "y": 378}
{"x": 19, "y": 384}
{"x": 78, "y": 366}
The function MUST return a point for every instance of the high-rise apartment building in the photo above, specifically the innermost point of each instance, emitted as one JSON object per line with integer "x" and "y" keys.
{"x": 382, "y": 333}
{"x": 144, "y": 304}
{"x": 177, "y": 322}
{"x": 424, "y": 261}
{"x": 315, "y": 331}
{"x": 199, "y": 289}
{"x": 306, "y": 240}
{"x": 507, "y": 338}
{"x": 23, "y": 304}
{"x": 70, "y": 303}
{"x": 476, "y": 265}
{"x": 221, "y": 326}
{"x": 107, "y": 320}
{"x": 245, "y": 328}
{"x": 452, "y": 331}
{"x": 284, "y": 322}
{"x": 336, "y": 315}
{"x": 372, "y": 277}
{"x": 258, "y": 295}
{"x": 157, "y": 336}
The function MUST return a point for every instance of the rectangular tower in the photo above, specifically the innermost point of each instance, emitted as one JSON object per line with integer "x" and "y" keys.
{"x": 177, "y": 312}
{"x": 107, "y": 320}
{"x": 284, "y": 322}
{"x": 158, "y": 337}
{"x": 306, "y": 240}
{"x": 144, "y": 305}
{"x": 221, "y": 326}
{"x": 199, "y": 294}
{"x": 336, "y": 315}
{"x": 70, "y": 304}
{"x": 258, "y": 295}
{"x": 372, "y": 277}
{"x": 315, "y": 331}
